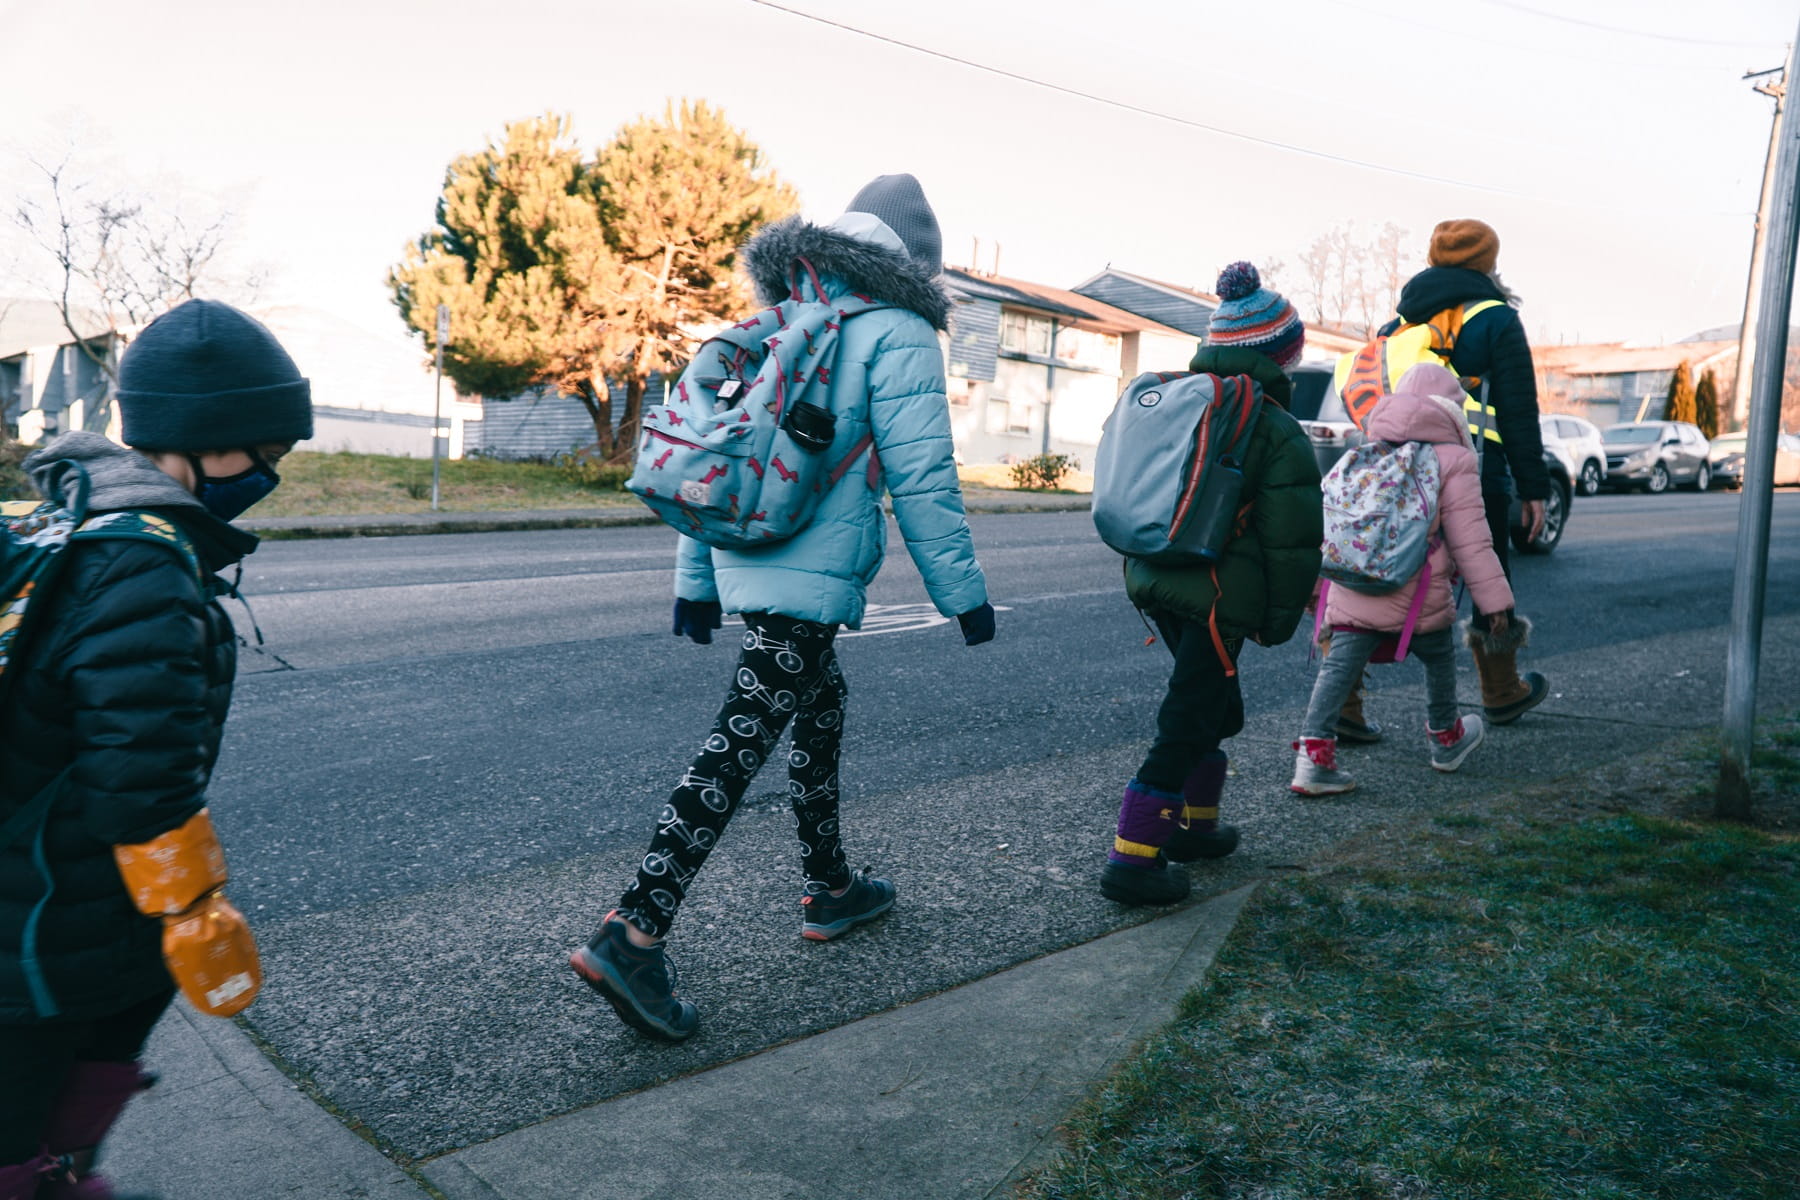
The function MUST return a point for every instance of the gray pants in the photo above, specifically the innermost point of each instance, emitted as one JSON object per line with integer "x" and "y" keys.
{"x": 1350, "y": 650}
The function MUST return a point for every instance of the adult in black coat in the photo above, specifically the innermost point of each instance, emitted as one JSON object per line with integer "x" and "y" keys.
{"x": 115, "y": 700}
{"x": 1493, "y": 348}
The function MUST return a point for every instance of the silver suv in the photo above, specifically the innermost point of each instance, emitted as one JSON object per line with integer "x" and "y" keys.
{"x": 1656, "y": 455}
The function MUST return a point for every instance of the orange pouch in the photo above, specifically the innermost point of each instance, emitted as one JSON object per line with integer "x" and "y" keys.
{"x": 166, "y": 875}
{"x": 212, "y": 955}
{"x": 207, "y": 944}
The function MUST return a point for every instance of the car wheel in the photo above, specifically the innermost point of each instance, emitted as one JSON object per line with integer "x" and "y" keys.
{"x": 1659, "y": 480}
{"x": 1556, "y": 519}
{"x": 1703, "y": 478}
{"x": 1590, "y": 478}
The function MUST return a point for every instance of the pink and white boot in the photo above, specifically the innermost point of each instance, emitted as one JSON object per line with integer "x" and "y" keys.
{"x": 1316, "y": 771}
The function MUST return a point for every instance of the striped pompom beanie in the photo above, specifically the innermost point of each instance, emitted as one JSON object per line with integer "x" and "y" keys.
{"x": 1252, "y": 316}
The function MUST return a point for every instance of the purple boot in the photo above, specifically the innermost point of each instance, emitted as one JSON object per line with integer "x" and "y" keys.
{"x": 92, "y": 1099}
{"x": 20, "y": 1181}
{"x": 1136, "y": 872}
{"x": 1198, "y": 833}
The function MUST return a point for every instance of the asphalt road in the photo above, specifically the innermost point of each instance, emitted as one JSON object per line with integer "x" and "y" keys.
{"x": 432, "y": 708}
{"x": 449, "y": 753}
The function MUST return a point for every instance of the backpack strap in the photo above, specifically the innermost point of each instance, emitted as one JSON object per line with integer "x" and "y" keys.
{"x": 136, "y": 525}
{"x": 1212, "y": 627}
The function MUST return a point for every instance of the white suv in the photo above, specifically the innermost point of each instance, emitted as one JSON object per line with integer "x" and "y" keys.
{"x": 1576, "y": 444}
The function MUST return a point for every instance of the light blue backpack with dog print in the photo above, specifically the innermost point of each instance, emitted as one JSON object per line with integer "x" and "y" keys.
{"x": 748, "y": 442}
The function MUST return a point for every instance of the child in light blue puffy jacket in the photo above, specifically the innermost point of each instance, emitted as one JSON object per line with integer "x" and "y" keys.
{"x": 887, "y": 381}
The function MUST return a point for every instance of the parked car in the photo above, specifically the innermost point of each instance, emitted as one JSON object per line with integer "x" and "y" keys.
{"x": 1654, "y": 455}
{"x": 1576, "y": 444}
{"x": 1726, "y": 457}
{"x": 1320, "y": 411}
{"x": 1556, "y": 511}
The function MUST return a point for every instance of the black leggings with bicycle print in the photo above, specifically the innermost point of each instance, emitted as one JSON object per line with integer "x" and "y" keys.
{"x": 788, "y": 671}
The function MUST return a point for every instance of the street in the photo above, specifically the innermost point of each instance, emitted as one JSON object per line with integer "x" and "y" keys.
{"x": 443, "y": 762}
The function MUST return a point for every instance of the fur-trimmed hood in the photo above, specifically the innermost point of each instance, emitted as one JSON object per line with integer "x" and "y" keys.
{"x": 863, "y": 260}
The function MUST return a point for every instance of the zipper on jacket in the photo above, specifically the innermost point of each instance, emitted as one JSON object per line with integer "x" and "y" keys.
{"x": 39, "y": 987}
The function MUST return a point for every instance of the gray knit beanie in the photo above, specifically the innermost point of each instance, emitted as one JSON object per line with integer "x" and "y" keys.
{"x": 205, "y": 376}
{"x": 898, "y": 202}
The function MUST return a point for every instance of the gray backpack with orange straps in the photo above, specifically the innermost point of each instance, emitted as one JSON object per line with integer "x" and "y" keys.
{"x": 1168, "y": 474}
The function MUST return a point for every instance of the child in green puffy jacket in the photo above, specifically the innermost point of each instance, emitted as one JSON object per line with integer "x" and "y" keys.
{"x": 1258, "y": 590}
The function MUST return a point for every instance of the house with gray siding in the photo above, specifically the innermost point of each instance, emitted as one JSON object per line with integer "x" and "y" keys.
{"x": 541, "y": 423}
{"x": 1190, "y": 310}
{"x": 50, "y": 381}
{"x": 1187, "y": 309}
{"x": 1034, "y": 369}
{"x": 1609, "y": 382}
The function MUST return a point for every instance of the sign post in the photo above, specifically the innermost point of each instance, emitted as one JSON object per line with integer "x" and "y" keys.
{"x": 437, "y": 402}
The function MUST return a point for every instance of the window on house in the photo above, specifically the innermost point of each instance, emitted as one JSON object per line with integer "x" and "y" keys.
{"x": 1022, "y": 333}
{"x": 1008, "y": 416}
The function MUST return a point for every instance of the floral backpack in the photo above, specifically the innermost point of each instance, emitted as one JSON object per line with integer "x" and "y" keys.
{"x": 1380, "y": 500}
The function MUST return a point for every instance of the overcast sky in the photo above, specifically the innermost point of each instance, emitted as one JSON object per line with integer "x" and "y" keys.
{"x": 1612, "y": 143}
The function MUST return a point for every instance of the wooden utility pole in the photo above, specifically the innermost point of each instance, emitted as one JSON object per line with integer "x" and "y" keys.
{"x": 1740, "y": 388}
{"x": 1752, "y": 568}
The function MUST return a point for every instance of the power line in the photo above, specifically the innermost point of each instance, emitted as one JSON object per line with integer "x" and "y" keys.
{"x": 1254, "y": 139}
{"x": 1587, "y": 56}
{"x": 1139, "y": 109}
{"x": 1684, "y": 39}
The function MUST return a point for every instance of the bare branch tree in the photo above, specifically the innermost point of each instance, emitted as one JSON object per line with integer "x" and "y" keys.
{"x": 1354, "y": 281}
{"x": 1314, "y": 266}
{"x": 120, "y": 260}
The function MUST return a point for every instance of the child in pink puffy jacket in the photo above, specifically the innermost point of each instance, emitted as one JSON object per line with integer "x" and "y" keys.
{"x": 1426, "y": 406}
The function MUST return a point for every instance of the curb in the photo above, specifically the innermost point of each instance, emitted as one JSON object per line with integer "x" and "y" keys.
{"x": 277, "y": 529}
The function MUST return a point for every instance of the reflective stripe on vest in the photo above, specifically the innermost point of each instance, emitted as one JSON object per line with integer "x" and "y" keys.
{"x": 1364, "y": 376}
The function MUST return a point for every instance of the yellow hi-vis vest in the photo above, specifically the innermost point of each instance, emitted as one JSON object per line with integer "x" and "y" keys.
{"x": 1364, "y": 376}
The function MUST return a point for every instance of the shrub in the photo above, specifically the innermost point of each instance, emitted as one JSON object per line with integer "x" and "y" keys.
{"x": 585, "y": 468}
{"x": 13, "y": 483}
{"x": 1043, "y": 472}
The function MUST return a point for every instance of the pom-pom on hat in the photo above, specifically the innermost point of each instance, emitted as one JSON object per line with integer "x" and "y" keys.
{"x": 205, "y": 376}
{"x": 1465, "y": 243}
{"x": 1252, "y": 316}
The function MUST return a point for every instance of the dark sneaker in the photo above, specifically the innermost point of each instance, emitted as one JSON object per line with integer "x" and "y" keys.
{"x": 1165, "y": 883}
{"x": 638, "y": 983}
{"x": 1362, "y": 733}
{"x": 825, "y": 916}
{"x": 1187, "y": 845}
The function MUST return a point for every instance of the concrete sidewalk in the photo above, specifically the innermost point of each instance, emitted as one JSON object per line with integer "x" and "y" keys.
{"x": 951, "y": 1096}
{"x": 975, "y": 500}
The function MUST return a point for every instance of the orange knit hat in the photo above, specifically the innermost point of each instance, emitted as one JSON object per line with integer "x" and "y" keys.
{"x": 1465, "y": 243}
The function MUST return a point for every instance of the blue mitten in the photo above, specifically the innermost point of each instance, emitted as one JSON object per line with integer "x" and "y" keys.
{"x": 977, "y": 625}
{"x": 697, "y": 619}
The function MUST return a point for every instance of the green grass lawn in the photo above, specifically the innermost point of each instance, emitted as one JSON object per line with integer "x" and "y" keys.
{"x": 1515, "y": 1006}
{"x": 340, "y": 484}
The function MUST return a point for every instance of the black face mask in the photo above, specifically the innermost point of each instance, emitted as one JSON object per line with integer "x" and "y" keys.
{"x": 229, "y": 496}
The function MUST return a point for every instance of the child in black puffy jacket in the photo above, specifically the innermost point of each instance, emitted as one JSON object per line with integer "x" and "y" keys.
{"x": 111, "y": 710}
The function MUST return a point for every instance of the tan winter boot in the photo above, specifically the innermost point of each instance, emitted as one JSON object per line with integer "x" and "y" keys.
{"x": 1505, "y": 695}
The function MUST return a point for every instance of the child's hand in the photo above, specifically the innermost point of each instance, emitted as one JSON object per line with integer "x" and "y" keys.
{"x": 1497, "y": 624}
